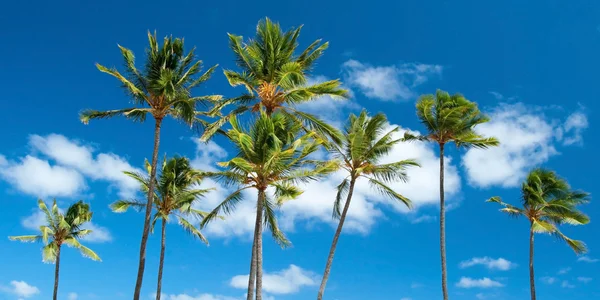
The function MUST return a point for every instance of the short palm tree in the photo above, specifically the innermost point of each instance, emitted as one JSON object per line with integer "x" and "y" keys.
{"x": 449, "y": 118}
{"x": 548, "y": 201}
{"x": 276, "y": 77}
{"x": 161, "y": 89}
{"x": 364, "y": 143}
{"x": 272, "y": 155}
{"x": 175, "y": 195}
{"x": 61, "y": 229}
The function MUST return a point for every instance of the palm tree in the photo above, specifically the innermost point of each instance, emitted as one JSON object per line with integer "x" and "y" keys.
{"x": 61, "y": 229}
{"x": 161, "y": 89}
{"x": 175, "y": 195}
{"x": 364, "y": 143}
{"x": 449, "y": 118}
{"x": 272, "y": 155}
{"x": 548, "y": 201}
{"x": 276, "y": 78}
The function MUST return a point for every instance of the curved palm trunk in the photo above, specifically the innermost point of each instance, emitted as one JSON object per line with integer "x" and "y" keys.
{"x": 259, "y": 224}
{"x": 56, "y": 271}
{"x": 443, "y": 226}
{"x": 336, "y": 237}
{"x": 145, "y": 232}
{"x": 162, "y": 257}
{"x": 531, "y": 277}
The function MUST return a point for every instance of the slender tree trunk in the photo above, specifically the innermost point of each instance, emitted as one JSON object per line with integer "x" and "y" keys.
{"x": 531, "y": 276}
{"x": 443, "y": 226}
{"x": 252, "y": 275}
{"x": 145, "y": 232}
{"x": 259, "y": 259}
{"x": 161, "y": 262}
{"x": 56, "y": 271}
{"x": 336, "y": 237}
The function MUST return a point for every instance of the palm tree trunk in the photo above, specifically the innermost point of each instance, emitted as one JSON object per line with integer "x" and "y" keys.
{"x": 531, "y": 276}
{"x": 145, "y": 232}
{"x": 252, "y": 275}
{"x": 336, "y": 237}
{"x": 162, "y": 257}
{"x": 259, "y": 223}
{"x": 56, "y": 271}
{"x": 443, "y": 225}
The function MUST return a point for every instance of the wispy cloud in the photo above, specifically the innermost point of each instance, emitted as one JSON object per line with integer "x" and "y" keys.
{"x": 467, "y": 283}
{"x": 587, "y": 259}
{"x": 548, "y": 279}
{"x": 584, "y": 279}
{"x": 564, "y": 270}
{"x": 389, "y": 83}
{"x": 566, "y": 284}
{"x": 490, "y": 263}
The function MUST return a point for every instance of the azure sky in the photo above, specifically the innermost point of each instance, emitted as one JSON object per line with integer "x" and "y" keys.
{"x": 531, "y": 66}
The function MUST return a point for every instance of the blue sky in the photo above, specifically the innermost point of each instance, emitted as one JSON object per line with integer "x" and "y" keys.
{"x": 531, "y": 65}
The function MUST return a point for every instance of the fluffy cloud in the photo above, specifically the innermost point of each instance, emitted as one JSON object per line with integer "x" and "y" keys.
{"x": 527, "y": 138}
{"x": 587, "y": 259}
{"x": 584, "y": 279}
{"x": 287, "y": 281}
{"x": 99, "y": 234}
{"x": 490, "y": 263}
{"x": 38, "y": 177}
{"x": 20, "y": 289}
{"x": 389, "y": 83}
{"x": 315, "y": 205}
{"x": 548, "y": 279}
{"x": 467, "y": 283}
{"x": 329, "y": 108}
{"x": 62, "y": 168}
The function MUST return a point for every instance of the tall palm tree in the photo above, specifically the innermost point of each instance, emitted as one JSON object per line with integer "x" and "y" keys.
{"x": 548, "y": 201}
{"x": 61, "y": 229}
{"x": 449, "y": 118}
{"x": 175, "y": 195}
{"x": 272, "y": 155}
{"x": 276, "y": 78}
{"x": 163, "y": 88}
{"x": 364, "y": 143}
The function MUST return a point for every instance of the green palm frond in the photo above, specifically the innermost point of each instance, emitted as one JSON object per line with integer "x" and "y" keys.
{"x": 548, "y": 201}
{"x": 188, "y": 227}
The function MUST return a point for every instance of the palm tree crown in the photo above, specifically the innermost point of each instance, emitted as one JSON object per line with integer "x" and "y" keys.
{"x": 451, "y": 118}
{"x": 163, "y": 87}
{"x": 365, "y": 142}
{"x": 62, "y": 229}
{"x": 271, "y": 154}
{"x": 175, "y": 194}
{"x": 275, "y": 75}
{"x": 548, "y": 201}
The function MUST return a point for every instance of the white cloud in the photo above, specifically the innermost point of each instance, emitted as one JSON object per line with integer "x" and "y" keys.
{"x": 584, "y": 279}
{"x": 527, "y": 139}
{"x": 37, "y": 177}
{"x": 416, "y": 285}
{"x": 330, "y": 109}
{"x": 287, "y": 281}
{"x": 467, "y": 283}
{"x": 564, "y": 270}
{"x": 72, "y": 296}
{"x": 62, "y": 169}
{"x": 99, "y": 234}
{"x": 548, "y": 279}
{"x": 315, "y": 205}
{"x": 389, "y": 83}
{"x": 566, "y": 284}
{"x": 490, "y": 263}
{"x": 423, "y": 219}
{"x": 587, "y": 259}
{"x": 20, "y": 289}
{"x": 573, "y": 128}
{"x": 105, "y": 166}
